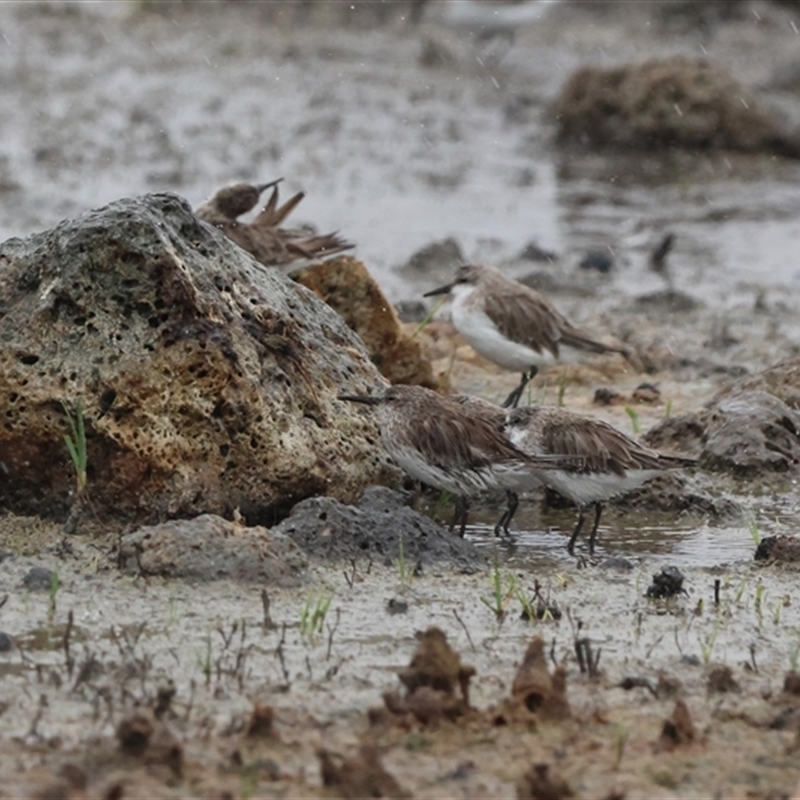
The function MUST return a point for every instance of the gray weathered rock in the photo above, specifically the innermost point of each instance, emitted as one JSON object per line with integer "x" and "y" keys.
{"x": 207, "y": 380}
{"x": 744, "y": 431}
{"x": 209, "y": 547}
{"x": 326, "y": 528}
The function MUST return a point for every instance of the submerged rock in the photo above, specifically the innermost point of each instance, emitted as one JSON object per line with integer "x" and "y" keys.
{"x": 674, "y": 102}
{"x": 347, "y": 287}
{"x": 207, "y": 381}
{"x": 211, "y": 548}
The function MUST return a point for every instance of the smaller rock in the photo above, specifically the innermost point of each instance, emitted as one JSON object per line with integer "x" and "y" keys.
{"x": 646, "y": 393}
{"x": 750, "y": 431}
{"x": 326, "y": 528}
{"x": 435, "y": 55}
{"x": 143, "y": 736}
{"x": 437, "y": 258}
{"x": 532, "y": 252}
{"x": 209, "y": 547}
{"x": 605, "y": 396}
{"x": 536, "y": 690}
{"x": 791, "y": 682}
{"x": 669, "y": 300}
{"x": 539, "y": 783}
{"x": 395, "y": 606}
{"x": 667, "y": 583}
{"x": 778, "y": 548}
{"x": 721, "y": 679}
{"x": 599, "y": 260}
{"x": 260, "y": 724}
{"x": 437, "y": 665}
{"x": 678, "y": 729}
{"x": 39, "y": 579}
{"x": 6, "y": 642}
{"x": 411, "y": 310}
{"x": 363, "y": 775}
{"x": 347, "y": 287}
{"x": 682, "y": 432}
{"x": 617, "y": 562}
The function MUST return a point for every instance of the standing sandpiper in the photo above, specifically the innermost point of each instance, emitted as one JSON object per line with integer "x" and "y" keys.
{"x": 511, "y": 324}
{"x": 263, "y": 238}
{"x": 438, "y": 441}
{"x": 610, "y": 463}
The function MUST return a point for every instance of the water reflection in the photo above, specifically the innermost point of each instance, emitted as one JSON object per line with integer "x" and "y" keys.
{"x": 540, "y": 539}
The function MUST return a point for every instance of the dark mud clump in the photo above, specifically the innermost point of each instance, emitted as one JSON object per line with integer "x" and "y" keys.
{"x": 437, "y": 684}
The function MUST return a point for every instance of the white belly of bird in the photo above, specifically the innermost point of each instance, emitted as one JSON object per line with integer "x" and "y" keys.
{"x": 506, "y": 475}
{"x": 591, "y": 487}
{"x": 483, "y": 336}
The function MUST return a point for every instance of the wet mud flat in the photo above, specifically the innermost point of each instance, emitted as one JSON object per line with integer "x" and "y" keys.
{"x": 237, "y": 703}
{"x": 115, "y": 685}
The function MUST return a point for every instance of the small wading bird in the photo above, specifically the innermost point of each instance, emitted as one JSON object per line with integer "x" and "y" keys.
{"x": 609, "y": 462}
{"x": 511, "y": 324}
{"x": 439, "y": 442}
{"x": 263, "y": 238}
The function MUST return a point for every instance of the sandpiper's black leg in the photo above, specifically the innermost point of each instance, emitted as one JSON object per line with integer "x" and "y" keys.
{"x": 571, "y": 545}
{"x": 460, "y": 515}
{"x": 512, "y": 401}
{"x": 501, "y": 529}
{"x": 598, "y": 510}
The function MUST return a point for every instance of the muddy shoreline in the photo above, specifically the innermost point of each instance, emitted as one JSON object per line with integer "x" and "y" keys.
{"x": 119, "y": 99}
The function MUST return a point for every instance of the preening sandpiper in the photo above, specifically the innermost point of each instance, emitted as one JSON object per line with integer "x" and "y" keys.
{"x": 610, "y": 464}
{"x": 438, "y": 441}
{"x": 263, "y": 238}
{"x": 511, "y": 324}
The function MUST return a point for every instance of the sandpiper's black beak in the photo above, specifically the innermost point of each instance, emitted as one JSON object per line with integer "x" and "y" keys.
{"x": 441, "y": 290}
{"x": 367, "y": 399}
{"x": 262, "y": 187}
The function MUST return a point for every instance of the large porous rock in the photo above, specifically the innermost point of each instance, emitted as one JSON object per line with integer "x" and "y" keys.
{"x": 348, "y": 288}
{"x": 208, "y": 381}
{"x": 675, "y": 102}
{"x": 377, "y": 528}
{"x": 746, "y": 432}
{"x": 209, "y": 547}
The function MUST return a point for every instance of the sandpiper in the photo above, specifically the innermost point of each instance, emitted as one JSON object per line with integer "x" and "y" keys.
{"x": 511, "y": 324}
{"x": 610, "y": 463}
{"x": 263, "y": 238}
{"x": 439, "y": 442}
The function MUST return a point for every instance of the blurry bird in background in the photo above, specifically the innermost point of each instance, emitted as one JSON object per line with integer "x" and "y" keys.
{"x": 263, "y": 238}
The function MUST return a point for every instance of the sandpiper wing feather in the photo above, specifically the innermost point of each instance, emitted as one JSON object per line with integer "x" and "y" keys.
{"x": 326, "y": 244}
{"x": 524, "y": 316}
{"x": 603, "y": 447}
{"x": 454, "y": 441}
{"x": 271, "y": 216}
